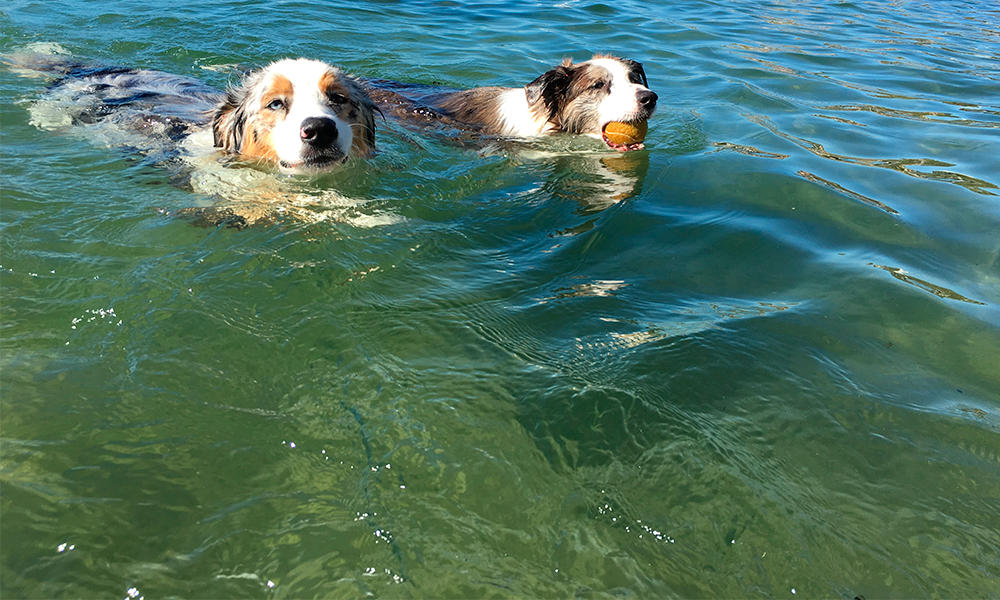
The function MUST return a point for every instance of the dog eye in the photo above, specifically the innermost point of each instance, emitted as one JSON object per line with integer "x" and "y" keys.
{"x": 600, "y": 85}
{"x": 338, "y": 98}
{"x": 276, "y": 104}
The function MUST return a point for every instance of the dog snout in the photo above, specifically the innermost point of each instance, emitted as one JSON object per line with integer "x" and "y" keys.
{"x": 646, "y": 99}
{"x": 318, "y": 131}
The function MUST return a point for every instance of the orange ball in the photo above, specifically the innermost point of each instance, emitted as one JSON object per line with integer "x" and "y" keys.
{"x": 626, "y": 133}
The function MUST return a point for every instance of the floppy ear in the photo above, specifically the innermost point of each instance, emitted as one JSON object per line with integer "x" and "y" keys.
{"x": 364, "y": 132}
{"x": 368, "y": 122}
{"x": 545, "y": 93}
{"x": 636, "y": 67}
{"x": 229, "y": 120}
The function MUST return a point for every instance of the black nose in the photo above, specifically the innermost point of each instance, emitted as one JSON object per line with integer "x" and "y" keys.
{"x": 318, "y": 131}
{"x": 646, "y": 98}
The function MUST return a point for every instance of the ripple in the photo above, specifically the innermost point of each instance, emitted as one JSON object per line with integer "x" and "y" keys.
{"x": 748, "y": 150}
{"x": 842, "y": 190}
{"x": 925, "y": 116}
{"x": 937, "y": 290}
{"x": 901, "y": 165}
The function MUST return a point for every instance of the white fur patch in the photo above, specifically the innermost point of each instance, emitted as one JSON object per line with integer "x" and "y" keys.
{"x": 516, "y": 119}
{"x": 307, "y": 101}
{"x": 621, "y": 103}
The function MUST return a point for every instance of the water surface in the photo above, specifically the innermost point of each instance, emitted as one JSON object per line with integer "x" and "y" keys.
{"x": 757, "y": 359}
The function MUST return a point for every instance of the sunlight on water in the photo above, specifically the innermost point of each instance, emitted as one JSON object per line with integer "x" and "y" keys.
{"x": 754, "y": 359}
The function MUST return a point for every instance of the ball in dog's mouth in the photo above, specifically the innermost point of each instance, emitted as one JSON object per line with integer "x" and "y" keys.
{"x": 625, "y": 136}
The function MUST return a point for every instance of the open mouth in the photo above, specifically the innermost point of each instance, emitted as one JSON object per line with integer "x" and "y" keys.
{"x": 623, "y": 136}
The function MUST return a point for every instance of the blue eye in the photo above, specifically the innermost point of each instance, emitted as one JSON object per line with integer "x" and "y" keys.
{"x": 276, "y": 104}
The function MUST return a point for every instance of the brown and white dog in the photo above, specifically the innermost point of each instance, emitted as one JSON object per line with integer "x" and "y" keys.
{"x": 579, "y": 98}
{"x": 302, "y": 116}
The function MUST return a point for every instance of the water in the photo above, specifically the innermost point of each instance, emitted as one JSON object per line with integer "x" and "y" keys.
{"x": 757, "y": 359}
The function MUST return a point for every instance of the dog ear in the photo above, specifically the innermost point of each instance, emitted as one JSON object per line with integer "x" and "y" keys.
{"x": 364, "y": 132}
{"x": 229, "y": 120}
{"x": 368, "y": 123}
{"x": 545, "y": 93}
{"x": 635, "y": 68}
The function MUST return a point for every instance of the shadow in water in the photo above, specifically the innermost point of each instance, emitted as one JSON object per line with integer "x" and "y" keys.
{"x": 596, "y": 181}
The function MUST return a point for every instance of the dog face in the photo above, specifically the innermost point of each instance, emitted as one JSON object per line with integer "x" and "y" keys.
{"x": 583, "y": 98}
{"x": 301, "y": 115}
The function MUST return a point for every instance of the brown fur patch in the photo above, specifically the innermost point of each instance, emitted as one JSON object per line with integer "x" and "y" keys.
{"x": 358, "y": 111}
{"x": 479, "y": 107}
{"x": 258, "y": 143}
{"x": 279, "y": 88}
{"x": 331, "y": 84}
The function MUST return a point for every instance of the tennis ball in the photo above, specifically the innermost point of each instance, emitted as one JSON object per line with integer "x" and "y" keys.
{"x": 625, "y": 133}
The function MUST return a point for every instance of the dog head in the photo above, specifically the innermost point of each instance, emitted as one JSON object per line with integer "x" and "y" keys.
{"x": 584, "y": 97}
{"x": 302, "y": 115}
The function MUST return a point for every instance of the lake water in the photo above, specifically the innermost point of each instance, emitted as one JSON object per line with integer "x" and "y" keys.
{"x": 758, "y": 358}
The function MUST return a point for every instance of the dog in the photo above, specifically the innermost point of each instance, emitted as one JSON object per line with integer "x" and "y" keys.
{"x": 298, "y": 115}
{"x": 302, "y": 115}
{"x": 579, "y": 98}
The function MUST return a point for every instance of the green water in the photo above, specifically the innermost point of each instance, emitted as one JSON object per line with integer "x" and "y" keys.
{"x": 757, "y": 359}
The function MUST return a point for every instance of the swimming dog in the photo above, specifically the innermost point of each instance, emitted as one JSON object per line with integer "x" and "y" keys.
{"x": 299, "y": 115}
{"x": 581, "y": 98}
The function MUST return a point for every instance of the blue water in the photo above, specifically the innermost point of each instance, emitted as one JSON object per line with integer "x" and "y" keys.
{"x": 756, "y": 359}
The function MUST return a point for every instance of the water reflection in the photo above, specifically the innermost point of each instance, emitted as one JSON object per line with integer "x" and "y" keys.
{"x": 937, "y": 290}
{"x": 850, "y": 194}
{"x": 926, "y": 116}
{"x": 747, "y": 150}
{"x": 596, "y": 181}
{"x": 901, "y": 165}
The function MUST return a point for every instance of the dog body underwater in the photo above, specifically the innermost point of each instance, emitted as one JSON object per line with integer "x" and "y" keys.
{"x": 299, "y": 115}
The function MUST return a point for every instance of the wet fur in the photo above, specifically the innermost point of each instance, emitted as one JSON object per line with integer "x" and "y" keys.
{"x": 168, "y": 108}
{"x": 569, "y": 98}
{"x": 238, "y": 124}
